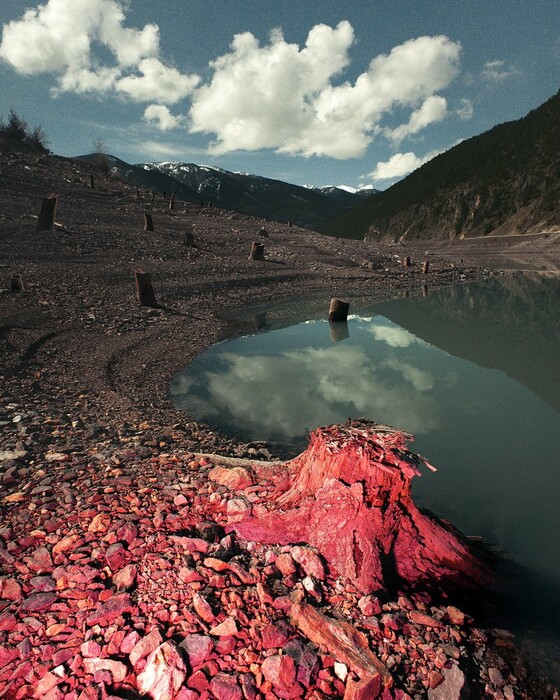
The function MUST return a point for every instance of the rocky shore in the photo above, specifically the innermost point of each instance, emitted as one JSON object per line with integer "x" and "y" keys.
{"x": 117, "y": 574}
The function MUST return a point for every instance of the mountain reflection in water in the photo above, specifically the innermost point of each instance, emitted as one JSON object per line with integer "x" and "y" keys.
{"x": 472, "y": 371}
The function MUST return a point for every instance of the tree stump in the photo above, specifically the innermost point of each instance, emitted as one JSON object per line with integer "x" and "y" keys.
{"x": 188, "y": 238}
{"x": 47, "y": 213}
{"x": 16, "y": 283}
{"x": 144, "y": 290}
{"x": 172, "y": 202}
{"x": 338, "y": 311}
{"x": 426, "y": 267}
{"x": 148, "y": 222}
{"x": 349, "y": 495}
{"x": 257, "y": 251}
{"x": 92, "y": 182}
{"x": 339, "y": 331}
{"x": 406, "y": 262}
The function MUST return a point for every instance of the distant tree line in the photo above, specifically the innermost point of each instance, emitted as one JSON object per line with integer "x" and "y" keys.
{"x": 16, "y": 135}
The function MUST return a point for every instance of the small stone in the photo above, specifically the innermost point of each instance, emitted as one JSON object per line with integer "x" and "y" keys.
{"x": 39, "y": 602}
{"x": 285, "y": 564}
{"x": 145, "y": 646}
{"x": 276, "y": 635}
{"x": 420, "y": 618}
{"x": 125, "y": 577}
{"x": 225, "y": 687}
{"x": 198, "y": 648}
{"x": 309, "y": 562}
{"x": 456, "y": 616}
{"x": 164, "y": 672}
{"x": 118, "y": 604}
{"x": 236, "y": 478}
{"x": 367, "y": 688}
{"x": 454, "y": 686}
{"x": 369, "y": 605}
{"x": 227, "y": 628}
{"x": 202, "y": 608}
{"x": 117, "y": 669}
{"x": 280, "y": 671}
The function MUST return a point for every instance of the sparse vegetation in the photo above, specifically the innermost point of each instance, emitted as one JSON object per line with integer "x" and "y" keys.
{"x": 16, "y": 136}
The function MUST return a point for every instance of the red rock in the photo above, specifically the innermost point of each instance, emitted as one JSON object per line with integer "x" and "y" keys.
{"x": 187, "y": 575}
{"x": 7, "y": 654}
{"x": 7, "y": 622}
{"x": 164, "y": 672}
{"x": 275, "y": 635}
{"x": 38, "y": 602}
{"x": 309, "y": 562}
{"x": 236, "y": 478}
{"x": 456, "y": 616}
{"x": 367, "y": 688}
{"x": 202, "y": 608}
{"x": 369, "y": 605}
{"x": 46, "y": 684}
{"x": 285, "y": 564}
{"x": 115, "y": 606}
{"x": 40, "y": 561}
{"x": 225, "y": 687}
{"x": 191, "y": 544}
{"x": 10, "y": 589}
{"x": 420, "y": 618}
{"x": 125, "y": 577}
{"x": 237, "y": 509}
{"x": 100, "y": 523}
{"x": 145, "y": 646}
{"x": 280, "y": 671}
{"x": 66, "y": 544}
{"x": 115, "y": 556}
{"x": 43, "y": 584}
{"x": 454, "y": 686}
{"x": 117, "y": 669}
{"x": 198, "y": 681}
{"x": 198, "y": 648}
{"x": 129, "y": 642}
{"x": 90, "y": 649}
{"x": 227, "y": 628}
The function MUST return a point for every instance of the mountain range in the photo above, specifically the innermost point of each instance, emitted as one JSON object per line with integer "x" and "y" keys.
{"x": 504, "y": 181}
{"x": 257, "y": 196}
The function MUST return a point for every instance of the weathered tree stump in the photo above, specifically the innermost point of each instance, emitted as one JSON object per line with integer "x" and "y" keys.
{"x": 406, "y": 261}
{"x": 349, "y": 495}
{"x": 92, "y": 182}
{"x": 144, "y": 289}
{"x": 47, "y": 213}
{"x": 172, "y": 202}
{"x": 426, "y": 267}
{"x": 257, "y": 251}
{"x": 148, "y": 222}
{"x": 188, "y": 238}
{"x": 16, "y": 283}
{"x": 338, "y": 311}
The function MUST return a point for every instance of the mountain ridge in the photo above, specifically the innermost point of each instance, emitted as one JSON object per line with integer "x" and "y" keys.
{"x": 503, "y": 181}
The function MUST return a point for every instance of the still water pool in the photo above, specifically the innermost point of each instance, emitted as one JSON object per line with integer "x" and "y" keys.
{"x": 472, "y": 371}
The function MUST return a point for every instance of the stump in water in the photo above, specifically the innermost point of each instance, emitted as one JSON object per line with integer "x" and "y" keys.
{"x": 47, "y": 213}
{"x": 338, "y": 311}
{"x": 350, "y": 497}
{"x": 257, "y": 251}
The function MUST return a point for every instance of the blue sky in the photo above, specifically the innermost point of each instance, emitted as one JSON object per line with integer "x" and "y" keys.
{"x": 312, "y": 92}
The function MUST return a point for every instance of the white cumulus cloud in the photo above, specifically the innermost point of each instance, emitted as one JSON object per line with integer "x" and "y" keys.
{"x": 497, "y": 71}
{"x": 399, "y": 165}
{"x": 282, "y": 97}
{"x": 433, "y": 109}
{"x": 161, "y": 117}
{"x": 62, "y": 37}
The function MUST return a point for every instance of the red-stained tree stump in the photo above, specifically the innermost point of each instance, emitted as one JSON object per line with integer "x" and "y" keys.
{"x": 350, "y": 497}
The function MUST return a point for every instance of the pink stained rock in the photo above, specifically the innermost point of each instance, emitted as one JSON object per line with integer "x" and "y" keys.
{"x": 164, "y": 672}
{"x": 275, "y": 635}
{"x": 369, "y": 605}
{"x": 285, "y": 564}
{"x": 115, "y": 556}
{"x": 116, "y": 668}
{"x": 118, "y": 604}
{"x": 236, "y": 478}
{"x": 145, "y": 646}
{"x": 38, "y": 602}
{"x": 368, "y": 688}
{"x": 7, "y": 654}
{"x": 225, "y": 687}
{"x": 66, "y": 544}
{"x": 420, "y": 618}
{"x": 40, "y": 561}
{"x": 90, "y": 649}
{"x": 202, "y": 608}
{"x": 237, "y": 509}
{"x": 7, "y": 622}
{"x": 125, "y": 577}
{"x": 280, "y": 671}
{"x": 309, "y": 562}
{"x": 456, "y": 616}
{"x": 10, "y": 589}
{"x": 227, "y": 628}
{"x": 198, "y": 648}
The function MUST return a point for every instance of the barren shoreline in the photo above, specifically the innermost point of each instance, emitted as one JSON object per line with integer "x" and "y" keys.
{"x": 98, "y": 474}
